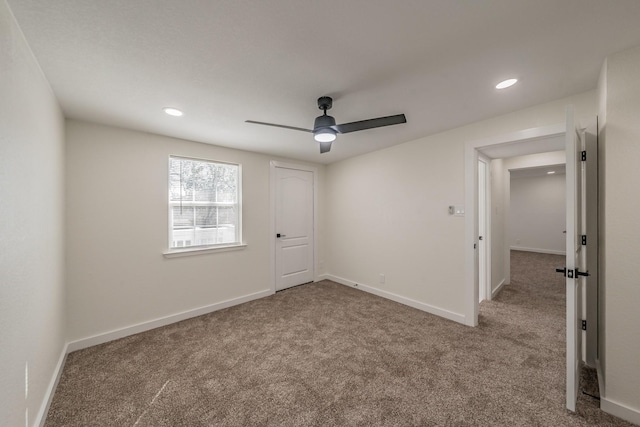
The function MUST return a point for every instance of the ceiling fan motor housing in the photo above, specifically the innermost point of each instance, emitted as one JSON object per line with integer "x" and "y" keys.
{"x": 325, "y": 103}
{"x": 324, "y": 121}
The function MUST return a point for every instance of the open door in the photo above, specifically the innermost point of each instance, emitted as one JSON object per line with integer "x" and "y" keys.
{"x": 575, "y": 259}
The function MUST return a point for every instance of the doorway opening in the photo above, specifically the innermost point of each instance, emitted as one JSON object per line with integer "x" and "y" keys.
{"x": 530, "y": 141}
{"x": 526, "y": 142}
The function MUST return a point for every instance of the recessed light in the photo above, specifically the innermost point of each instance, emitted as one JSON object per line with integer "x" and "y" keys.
{"x": 172, "y": 111}
{"x": 506, "y": 83}
{"x": 551, "y": 172}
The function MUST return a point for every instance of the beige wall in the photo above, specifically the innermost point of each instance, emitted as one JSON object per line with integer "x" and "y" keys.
{"x": 117, "y": 218}
{"x": 537, "y": 215}
{"x": 31, "y": 230}
{"x": 500, "y": 203}
{"x": 620, "y": 174}
{"x": 388, "y": 210}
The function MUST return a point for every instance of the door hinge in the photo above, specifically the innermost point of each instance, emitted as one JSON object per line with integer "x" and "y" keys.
{"x": 584, "y": 240}
{"x": 584, "y": 156}
{"x": 584, "y": 325}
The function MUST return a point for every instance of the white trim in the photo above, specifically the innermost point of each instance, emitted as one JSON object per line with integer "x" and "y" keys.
{"x": 201, "y": 159}
{"x": 619, "y": 410}
{"x": 272, "y": 215}
{"x": 471, "y": 231}
{"x": 456, "y": 317}
{"x": 51, "y": 389}
{"x": 496, "y": 291}
{"x": 538, "y": 250}
{"x": 471, "y": 204}
{"x": 488, "y": 230}
{"x": 506, "y": 218}
{"x": 521, "y": 135}
{"x": 163, "y": 321}
{"x": 199, "y": 250}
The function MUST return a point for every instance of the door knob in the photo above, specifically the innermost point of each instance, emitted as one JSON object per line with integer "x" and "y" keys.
{"x": 582, "y": 273}
{"x": 280, "y": 235}
{"x": 571, "y": 274}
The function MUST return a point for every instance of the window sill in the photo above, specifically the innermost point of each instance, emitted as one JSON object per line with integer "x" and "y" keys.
{"x": 176, "y": 253}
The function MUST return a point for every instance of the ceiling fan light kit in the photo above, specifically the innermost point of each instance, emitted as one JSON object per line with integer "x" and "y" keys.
{"x": 325, "y": 135}
{"x": 325, "y": 128}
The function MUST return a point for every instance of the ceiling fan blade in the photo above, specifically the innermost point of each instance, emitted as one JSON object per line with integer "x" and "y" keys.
{"x": 278, "y": 126}
{"x": 370, "y": 124}
{"x": 325, "y": 147}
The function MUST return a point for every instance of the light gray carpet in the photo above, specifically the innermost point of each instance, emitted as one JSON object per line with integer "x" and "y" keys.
{"x": 327, "y": 355}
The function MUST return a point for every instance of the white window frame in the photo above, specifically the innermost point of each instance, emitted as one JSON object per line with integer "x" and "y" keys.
{"x": 207, "y": 248}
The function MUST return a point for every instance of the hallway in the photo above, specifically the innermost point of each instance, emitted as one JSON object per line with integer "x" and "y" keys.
{"x": 530, "y": 312}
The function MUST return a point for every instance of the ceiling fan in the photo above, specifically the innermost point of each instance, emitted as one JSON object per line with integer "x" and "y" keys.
{"x": 325, "y": 128}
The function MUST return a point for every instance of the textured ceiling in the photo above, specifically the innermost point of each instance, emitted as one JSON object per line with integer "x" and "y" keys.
{"x": 119, "y": 62}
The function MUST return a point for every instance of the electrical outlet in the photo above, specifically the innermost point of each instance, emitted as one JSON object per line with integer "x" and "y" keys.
{"x": 382, "y": 279}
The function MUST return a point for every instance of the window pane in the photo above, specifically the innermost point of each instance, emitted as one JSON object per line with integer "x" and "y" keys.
{"x": 227, "y": 189}
{"x": 180, "y": 180}
{"x": 227, "y": 215}
{"x": 205, "y": 182}
{"x": 182, "y": 217}
{"x": 206, "y": 216}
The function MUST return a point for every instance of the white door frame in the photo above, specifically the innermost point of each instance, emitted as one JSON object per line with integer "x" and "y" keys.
{"x": 471, "y": 203}
{"x": 487, "y": 226}
{"x": 272, "y": 215}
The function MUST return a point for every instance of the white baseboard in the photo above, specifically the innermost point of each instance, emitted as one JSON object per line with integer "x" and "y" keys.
{"x": 538, "y": 250}
{"x": 619, "y": 410}
{"x": 163, "y": 321}
{"x": 51, "y": 389}
{"x": 496, "y": 291}
{"x": 456, "y": 317}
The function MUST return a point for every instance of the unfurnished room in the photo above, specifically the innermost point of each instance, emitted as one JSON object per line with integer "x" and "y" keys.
{"x": 336, "y": 213}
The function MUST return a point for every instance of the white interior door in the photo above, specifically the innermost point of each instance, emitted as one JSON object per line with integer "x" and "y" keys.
{"x": 294, "y": 227}
{"x": 575, "y": 260}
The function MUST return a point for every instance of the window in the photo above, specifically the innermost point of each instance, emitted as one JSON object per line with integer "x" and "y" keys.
{"x": 204, "y": 203}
